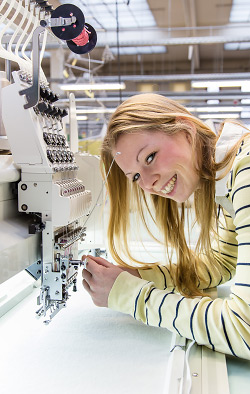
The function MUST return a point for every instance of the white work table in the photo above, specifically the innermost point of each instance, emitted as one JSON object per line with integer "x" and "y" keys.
{"x": 91, "y": 350}
{"x": 84, "y": 349}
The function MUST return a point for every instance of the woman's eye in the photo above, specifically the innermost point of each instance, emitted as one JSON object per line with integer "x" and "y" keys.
{"x": 136, "y": 177}
{"x": 150, "y": 158}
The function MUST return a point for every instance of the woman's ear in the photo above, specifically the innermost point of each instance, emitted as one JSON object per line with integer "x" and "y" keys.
{"x": 187, "y": 124}
{"x": 189, "y": 128}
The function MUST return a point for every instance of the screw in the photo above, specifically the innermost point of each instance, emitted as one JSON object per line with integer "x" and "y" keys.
{"x": 24, "y": 186}
{"x": 24, "y": 207}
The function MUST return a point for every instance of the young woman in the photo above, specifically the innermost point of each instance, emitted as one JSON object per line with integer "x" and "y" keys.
{"x": 159, "y": 155}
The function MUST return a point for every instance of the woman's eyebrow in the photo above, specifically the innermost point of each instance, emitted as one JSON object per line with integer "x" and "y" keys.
{"x": 137, "y": 157}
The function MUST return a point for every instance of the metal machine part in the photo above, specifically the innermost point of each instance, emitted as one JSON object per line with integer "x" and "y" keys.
{"x": 65, "y": 28}
{"x": 33, "y": 91}
{"x": 48, "y": 189}
{"x": 57, "y": 278}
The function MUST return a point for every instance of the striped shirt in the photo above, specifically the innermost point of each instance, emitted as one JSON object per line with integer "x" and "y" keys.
{"x": 221, "y": 324}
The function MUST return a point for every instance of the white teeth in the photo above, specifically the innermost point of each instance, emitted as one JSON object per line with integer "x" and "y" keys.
{"x": 170, "y": 185}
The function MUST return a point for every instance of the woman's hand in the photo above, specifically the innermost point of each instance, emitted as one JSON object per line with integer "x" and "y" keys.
{"x": 98, "y": 278}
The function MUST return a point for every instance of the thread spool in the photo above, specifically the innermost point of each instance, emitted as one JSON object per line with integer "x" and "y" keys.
{"x": 72, "y": 31}
{"x": 84, "y": 42}
{"x": 82, "y": 39}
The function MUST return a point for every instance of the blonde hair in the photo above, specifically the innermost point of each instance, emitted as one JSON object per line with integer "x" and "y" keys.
{"x": 154, "y": 113}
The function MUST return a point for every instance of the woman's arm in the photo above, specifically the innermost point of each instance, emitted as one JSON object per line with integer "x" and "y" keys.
{"x": 220, "y": 324}
{"x": 131, "y": 271}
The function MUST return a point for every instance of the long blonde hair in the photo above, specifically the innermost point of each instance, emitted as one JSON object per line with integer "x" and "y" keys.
{"x": 153, "y": 112}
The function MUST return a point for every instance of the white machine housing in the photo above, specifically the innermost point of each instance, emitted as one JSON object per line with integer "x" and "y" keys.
{"x": 49, "y": 188}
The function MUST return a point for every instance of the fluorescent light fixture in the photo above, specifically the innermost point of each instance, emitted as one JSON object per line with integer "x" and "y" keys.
{"x": 93, "y": 86}
{"x": 219, "y": 109}
{"x": 246, "y": 86}
{"x": 139, "y": 50}
{"x": 240, "y": 11}
{"x": 81, "y": 117}
{"x": 219, "y": 116}
{"x": 231, "y": 46}
{"x": 221, "y": 84}
{"x": 96, "y": 111}
{"x": 237, "y": 46}
{"x": 213, "y": 102}
{"x": 245, "y": 114}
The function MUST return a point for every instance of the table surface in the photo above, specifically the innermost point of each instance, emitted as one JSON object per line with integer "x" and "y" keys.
{"x": 86, "y": 349}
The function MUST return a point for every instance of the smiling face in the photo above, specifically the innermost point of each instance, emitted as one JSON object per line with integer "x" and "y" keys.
{"x": 159, "y": 163}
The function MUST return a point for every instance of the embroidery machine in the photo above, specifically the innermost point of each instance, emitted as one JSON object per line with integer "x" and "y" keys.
{"x": 49, "y": 191}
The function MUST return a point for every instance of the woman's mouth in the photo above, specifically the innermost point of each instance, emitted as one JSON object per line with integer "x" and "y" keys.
{"x": 170, "y": 185}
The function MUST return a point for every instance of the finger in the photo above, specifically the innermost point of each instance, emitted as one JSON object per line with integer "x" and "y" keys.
{"x": 84, "y": 262}
{"x": 86, "y": 275}
{"x": 86, "y": 286}
{"x": 101, "y": 261}
{"x": 92, "y": 267}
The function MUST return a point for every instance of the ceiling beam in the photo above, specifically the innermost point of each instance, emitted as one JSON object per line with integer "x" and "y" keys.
{"x": 176, "y": 36}
{"x": 186, "y": 96}
{"x": 177, "y": 77}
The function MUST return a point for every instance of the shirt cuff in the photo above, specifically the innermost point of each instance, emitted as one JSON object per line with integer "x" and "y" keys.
{"x": 124, "y": 292}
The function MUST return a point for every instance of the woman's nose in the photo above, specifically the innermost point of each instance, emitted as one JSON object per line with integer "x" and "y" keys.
{"x": 149, "y": 180}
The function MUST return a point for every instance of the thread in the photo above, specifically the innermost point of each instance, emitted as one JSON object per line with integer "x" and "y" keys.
{"x": 95, "y": 205}
{"x": 103, "y": 184}
{"x": 82, "y": 39}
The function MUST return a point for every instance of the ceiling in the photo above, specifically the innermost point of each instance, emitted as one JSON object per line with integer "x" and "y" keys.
{"x": 193, "y": 33}
{"x": 190, "y": 35}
